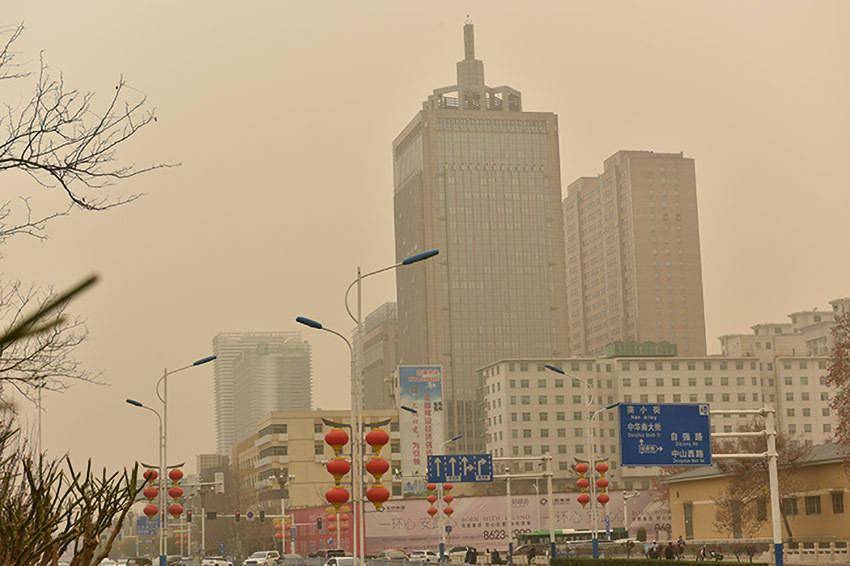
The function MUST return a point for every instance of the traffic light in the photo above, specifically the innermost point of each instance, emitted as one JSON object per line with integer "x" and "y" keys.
{"x": 189, "y": 516}
{"x": 262, "y": 515}
{"x": 319, "y": 523}
{"x": 212, "y": 515}
{"x": 237, "y": 516}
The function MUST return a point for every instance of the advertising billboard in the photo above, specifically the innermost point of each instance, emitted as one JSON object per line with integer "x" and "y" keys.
{"x": 420, "y": 388}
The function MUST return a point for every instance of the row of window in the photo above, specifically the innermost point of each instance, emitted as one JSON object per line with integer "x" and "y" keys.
{"x": 812, "y": 504}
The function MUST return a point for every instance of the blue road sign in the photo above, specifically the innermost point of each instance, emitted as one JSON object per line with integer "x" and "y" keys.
{"x": 665, "y": 434}
{"x": 147, "y": 527}
{"x": 221, "y": 549}
{"x": 460, "y": 468}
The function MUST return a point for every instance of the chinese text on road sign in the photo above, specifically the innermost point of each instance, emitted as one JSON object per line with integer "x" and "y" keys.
{"x": 665, "y": 434}
{"x": 460, "y": 468}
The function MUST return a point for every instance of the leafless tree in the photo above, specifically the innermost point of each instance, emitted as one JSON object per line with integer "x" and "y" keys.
{"x": 63, "y": 141}
{"x": 838, "y": 376}
{"x": 738, "y": 504}
{"x": 49, "y": 508}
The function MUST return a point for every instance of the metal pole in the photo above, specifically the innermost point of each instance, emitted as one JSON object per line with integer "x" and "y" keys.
{"x": 282, "y": 524}
{"x": 203, "y": 528}
{"x": 592, "y": 472}
{"x": 163, "y": 464}
{"x": 773, "y": 475}
{"x": 550, "y": 495}
{"x": 358, "y": 396}
{"x": 626, "y": 514}
{"x": 510, "y": 516}
{"x": 291, "y": 537}
{"x": 441, "y": 523}
{"x": 338, "y": 531}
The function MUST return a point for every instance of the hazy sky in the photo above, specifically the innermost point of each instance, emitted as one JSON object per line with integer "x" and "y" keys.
{"x": 282, "y": 114}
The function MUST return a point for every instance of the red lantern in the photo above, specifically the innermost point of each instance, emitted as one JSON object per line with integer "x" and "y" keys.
{"x": 448, "y": 511}
{"x": 278, "y": 536}
{"x": 602, "y": 467}
{"x": 175, "y": 475}
{"x": 377, "y": 438}
{"x": 175, "y": 509}
{"x": 151, "y": 510}
{"x": 582, "y": 483}
{"x": 175, "y": 492}
{"x": 344, "y": 518}
{"x": 338, "y": 468}
{"x": 602, "y": 483}
{"x": 331, "y": 517}
{"x": 378, "y": 494}
{"x": 432, "y": 499}
{"x": 336, "y": 438}
{"x": 337, "y": 496}
{"x": 431, "y": 486}
{"x": 150, "y": 492}
{"x": 584, "y": 499}
{"x": 447, "y": 487}
{"x": 582, "y": 467}
{"x": 150, "y": 475}
{"x": 603, "y": 498}
{"x": 448, "y": 498}
{"x": 377, "y": 467}
{"x": 278, "y": 527}
{"x": 432, "y": 511}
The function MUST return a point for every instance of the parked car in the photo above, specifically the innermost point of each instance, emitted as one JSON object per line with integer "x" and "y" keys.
{"x": 458, "y": 553}
{"x": 424, "y": 556}
{"x": 263, "y": 558}
{"x": 291, "y": 559}
{"x": 216, "y": 561}
{"x": 108, "y": 562}
{"x": 340, "y": 561}
{"x": 139, "y": 561}
{"x": 392, "y": 554}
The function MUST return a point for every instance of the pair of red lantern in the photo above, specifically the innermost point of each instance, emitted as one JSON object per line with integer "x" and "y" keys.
{"x": 601, "y": 483}
{"x": 447, "y": 499}
{"x": 376, "y": 466}
{"x": 151, "y": 492}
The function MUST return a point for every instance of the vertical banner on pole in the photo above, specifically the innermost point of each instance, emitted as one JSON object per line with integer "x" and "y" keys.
{"x": 422, "y": 433}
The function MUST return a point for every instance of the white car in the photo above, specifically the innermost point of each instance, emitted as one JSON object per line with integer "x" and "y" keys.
{"x": 216, "y": 561}
{"x": 340, "y": 561}
{"x": 108, "y": 562}
{"x": 262, "y": 558}
{"x": 424, "y": 556}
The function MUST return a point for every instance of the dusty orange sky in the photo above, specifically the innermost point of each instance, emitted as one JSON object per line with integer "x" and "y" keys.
{"x": 282, "y": 114}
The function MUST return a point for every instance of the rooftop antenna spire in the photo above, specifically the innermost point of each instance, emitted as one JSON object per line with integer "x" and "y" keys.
{"x": 468, "y": 40}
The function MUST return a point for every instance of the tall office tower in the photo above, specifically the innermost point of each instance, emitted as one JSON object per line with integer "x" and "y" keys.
{"x": 380, "y": 356}
{"x": 633, "y": 255}
{"x": 478, "y": 178}
{"x": 272, "y": 368}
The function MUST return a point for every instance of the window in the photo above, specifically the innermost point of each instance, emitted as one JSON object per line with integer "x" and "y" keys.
{"x": 627, "y": 382}
{"x": 562, "y": 432}
{"x": 626, "y": 365}
{"x": 692, "y": 366}
{"x": 803, "y": 364}
{"x": 644, "y": 398}
{"x": 804, "y": 396}
{"x": 674, "y": 366}
{"x": 739, "y": 365}
{"x": 627, "y": 398}
{"x": 692, "y": 382}
{"x": 742, "y": 396}
{"x": 561, "y": 416}
{"x": 660, "y": 398}
{"x": 394, "y": 426}
{"x": 525, "y": 400}
{"x": 319, "y": 448}
{"x": 724, "y": 365}
{"x": 824, "y": 412}
{"x": 677, "y": 398}
{"x": 579, "y": 432}
{"x": 559, "y": 399}
{"x": 724, "y": 381}
{"x": 544, "y": 417}
{"x": 813, "y": 505}
{"x": 789, "y": 505}
{"x": 526, "y": 433}
{"x": 706, "y": 365}
{"x": 807, "y": 412}
{"x": 838, "y": 502}
{"x": 513, "y": 384}
{"x": 792, "y": 428}
{"x": 542, "y": 400}
{"x": 526, "y": 450}
{"x": 541, "y": 383}
{"x": 708, "y": 381}
{"x": 577, "y": 399}
{"x": 724, "y": 397}
{"x": 740, "y": 381}
{"x": 676, "y": 382}
{"x": 659, "y": 382}
{"x": 786, "y": 365}
{"x": 659, "y": 366}
{"x": 514, "y": 433}
{"x": 318, "y": 428}
{"x": 727, "y": 428}
{"x": 513, "y": 399}
{"x": 789, "y": 412}
{"x": 692, "y": 398}
{"x": 523, "y": 367}
{"x": 577, "y": 416}
{"x": 641, "y": 366}
{"x": 523, "y": 384}
{"x": 824, "y": 396}
{"x": 789, "y": 396}
{"x": 513, "y": 417}
{"x": 642, "y": 382}
{"x": 807, "y": 427}
{"x": 526, "y": 417}
{"x": 562, "y": 449}
{"x": 579, "y": 448}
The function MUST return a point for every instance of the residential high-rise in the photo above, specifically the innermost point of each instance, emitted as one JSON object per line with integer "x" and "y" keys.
{"x": 633, "y": 254}
{"x": 478, "y": 178}
{"x": 380, "y": 356}
{"x": 256, "y": 373}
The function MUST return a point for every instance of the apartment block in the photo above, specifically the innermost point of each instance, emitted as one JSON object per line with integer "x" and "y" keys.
{"x": 634, "y": 272}
{"x": 292, "y": 443}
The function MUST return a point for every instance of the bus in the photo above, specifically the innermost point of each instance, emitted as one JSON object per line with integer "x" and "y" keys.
{"x": 563, "y": 536}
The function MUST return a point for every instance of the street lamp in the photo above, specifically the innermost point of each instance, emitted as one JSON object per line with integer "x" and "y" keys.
{"x": 356, "y": 390}
{"x": 410, "y": 410}
{"x": 141, "y": 405}
{"x": 282, "y": 480}
{"x": 163, "y": 459}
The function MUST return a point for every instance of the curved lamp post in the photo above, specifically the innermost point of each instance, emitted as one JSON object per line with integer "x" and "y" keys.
{"x": 357, "y": 393}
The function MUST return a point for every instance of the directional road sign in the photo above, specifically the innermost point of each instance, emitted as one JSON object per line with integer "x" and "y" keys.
{"x": 460, "y": 468}
{"x": 147, "y": 527}
{"x": 665, "y": 434}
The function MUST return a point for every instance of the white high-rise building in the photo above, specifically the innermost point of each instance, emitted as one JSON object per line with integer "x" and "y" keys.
{"x": 256, "y": 373}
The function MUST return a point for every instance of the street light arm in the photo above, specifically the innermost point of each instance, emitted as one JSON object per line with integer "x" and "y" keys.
{"x": 167, "y": 373}
{"x": 353, "y": 283}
